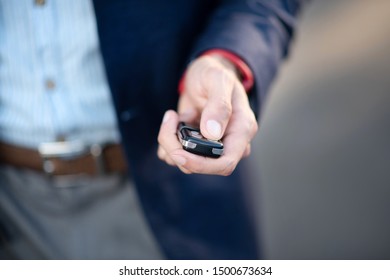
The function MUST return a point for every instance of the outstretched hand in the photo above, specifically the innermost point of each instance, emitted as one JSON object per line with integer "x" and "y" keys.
{"x": 214, "y": 98}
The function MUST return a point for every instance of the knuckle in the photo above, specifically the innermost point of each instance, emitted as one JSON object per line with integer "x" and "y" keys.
{"x": 229, "y": 167}
{"x": 255, "y": 127}
{"x": 160, "y": 138}
{"x": 195, "y": 169}
{"x": 227, "y": 172}
{"x": 247, "y": 151}
{"x": 251, "y": 127}
{"x": 186, "y": 171}
{"x": 160, "y": 153}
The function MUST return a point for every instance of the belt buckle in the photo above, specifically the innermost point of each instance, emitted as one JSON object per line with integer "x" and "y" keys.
{"x": 68, "y": 150}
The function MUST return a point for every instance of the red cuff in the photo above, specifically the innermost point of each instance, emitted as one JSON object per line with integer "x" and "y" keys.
{"x": 245, "y": 72}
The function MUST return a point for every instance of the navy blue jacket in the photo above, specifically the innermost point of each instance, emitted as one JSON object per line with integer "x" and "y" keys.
{"x": 146, "y": 46}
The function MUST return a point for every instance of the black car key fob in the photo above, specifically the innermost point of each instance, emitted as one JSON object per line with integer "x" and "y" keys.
{"x": 194, "y": 142}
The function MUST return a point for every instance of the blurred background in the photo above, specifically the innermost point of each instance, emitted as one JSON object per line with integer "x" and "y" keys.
{"x": 323, "y": 149}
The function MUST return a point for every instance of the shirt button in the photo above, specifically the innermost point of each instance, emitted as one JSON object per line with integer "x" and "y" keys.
{"x": 39, "y": 2}
{"x": 50, "y": 85}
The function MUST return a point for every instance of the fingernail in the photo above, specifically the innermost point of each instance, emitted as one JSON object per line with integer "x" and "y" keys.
{"x": 179, "y": 160}
{"x": 214, "y": 128}
{"x": 166, "y": 117}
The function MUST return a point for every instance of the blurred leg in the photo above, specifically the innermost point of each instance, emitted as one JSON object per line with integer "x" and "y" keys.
{"x": 76, "y": 217}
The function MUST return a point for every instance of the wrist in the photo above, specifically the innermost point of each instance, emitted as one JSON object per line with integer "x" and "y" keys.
{"x": 232, "y": 62}
{"x": 236, "y": 64}
{"x": 226, "y": 64}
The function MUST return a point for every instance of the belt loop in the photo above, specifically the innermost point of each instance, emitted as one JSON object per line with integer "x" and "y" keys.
{"x": 96, "y": 151}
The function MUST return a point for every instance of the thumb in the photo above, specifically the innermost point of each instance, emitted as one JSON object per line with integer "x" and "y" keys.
{"x": 218, "y": 109}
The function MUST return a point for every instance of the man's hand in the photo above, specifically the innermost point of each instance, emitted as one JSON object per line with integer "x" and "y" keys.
{"x": 214, "y": 97}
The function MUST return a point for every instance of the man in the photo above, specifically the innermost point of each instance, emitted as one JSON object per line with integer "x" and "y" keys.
{"x": 55, "y": 88}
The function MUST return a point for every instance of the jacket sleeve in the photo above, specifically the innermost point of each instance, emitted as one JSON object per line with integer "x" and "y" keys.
{"x": 258, "y": 31}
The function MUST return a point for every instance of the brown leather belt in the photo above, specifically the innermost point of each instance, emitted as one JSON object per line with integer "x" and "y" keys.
{"x": 91, "y": 160}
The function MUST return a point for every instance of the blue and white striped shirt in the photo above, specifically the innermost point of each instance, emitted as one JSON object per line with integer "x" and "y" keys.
{"x": 52, "y": 79}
